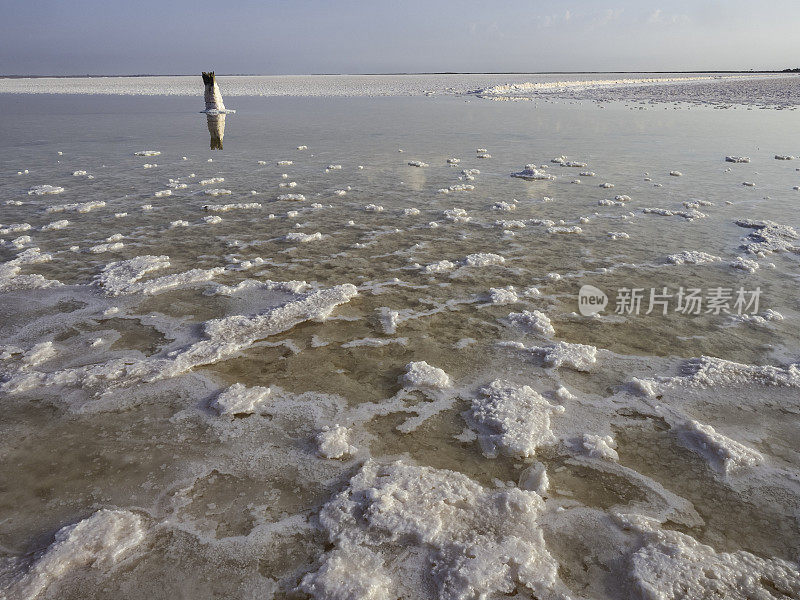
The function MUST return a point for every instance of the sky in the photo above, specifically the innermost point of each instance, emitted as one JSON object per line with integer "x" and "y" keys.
{"x": 55, "y": 37}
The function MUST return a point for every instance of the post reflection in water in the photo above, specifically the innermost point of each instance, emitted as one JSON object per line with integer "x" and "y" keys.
{"x": 216, "y": 127}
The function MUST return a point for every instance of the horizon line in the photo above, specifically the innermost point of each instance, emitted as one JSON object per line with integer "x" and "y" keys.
{"x": 661, "y": 71}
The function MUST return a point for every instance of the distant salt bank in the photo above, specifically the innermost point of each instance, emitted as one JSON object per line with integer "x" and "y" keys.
{"x": 762, "y": 89}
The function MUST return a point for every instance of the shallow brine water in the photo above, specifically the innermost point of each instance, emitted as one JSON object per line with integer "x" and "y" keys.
{"x": 346, "y": 356}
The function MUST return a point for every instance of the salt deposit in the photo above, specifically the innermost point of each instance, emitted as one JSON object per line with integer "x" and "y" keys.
{"x": 597, "y": 446}
{"x": 510, "y": 419}
{"x": 535, "y": 321}
{"x": 577, "y": 356}
{"x": 692, "y": 257}
{"x": 506, "y": 295}
{"x": 227, "y": 207}
{"x": 671, "y": 565}
{"x": 240, "y": 400}
{"x": 483, "y": 259}
{"x": 442, "y": 516}
{"x": 55, "y": 225}
{"x": 42, "y": 190}
{"x": 303, "y": 238}
{"x": 738, "y": 159}
{"x": 531, "y": 173}
{"x": 417, "y": 163}
{"x": 100, "y": 541}
{"x": 420, "y": 374}
{"x": 332, "y": 442}
{"x": 291, "y": 197}
{"x": 722, "y": 453}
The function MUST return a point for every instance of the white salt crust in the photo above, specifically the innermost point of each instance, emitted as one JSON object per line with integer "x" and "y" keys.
{"x": 534, "y": 321}
{"x": 240, "y": 400}
{"x": 709, "y": 372}
{"x": 577, "y": 356}
{"x": 224, "y": 337}
{"x": 722, "y": 453}
{"x": 43, "y": 190}
{"x": 10, "y": 278}
{"x": 101, "y": 541}
{"x": 670, "y": 565}
{"x": 124, "y": 277}
{"x": 468, "y": 541}
{"x": 333, "y": 442}
{"x": 420, "y": 374}
{"x": 227, "y": 207}
{"x": 79, "y": 207}
{"x": 511, "y": 419}
{"x": 692, "y": 257}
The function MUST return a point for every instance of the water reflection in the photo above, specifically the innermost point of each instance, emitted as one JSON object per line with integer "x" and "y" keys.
{"x": 216, "y": 127}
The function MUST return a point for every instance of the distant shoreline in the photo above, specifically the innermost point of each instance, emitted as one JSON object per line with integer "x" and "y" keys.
{"x": 784, "y": 72}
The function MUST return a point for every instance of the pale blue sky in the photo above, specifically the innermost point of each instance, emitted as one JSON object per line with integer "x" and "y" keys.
{"x": 312, "y": 36}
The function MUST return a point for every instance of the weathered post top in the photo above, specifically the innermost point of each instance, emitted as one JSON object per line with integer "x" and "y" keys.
{"x": 212, "y": 96}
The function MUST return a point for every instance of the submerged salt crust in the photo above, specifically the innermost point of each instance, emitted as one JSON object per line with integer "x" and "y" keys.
{"x": 211, "y": 409}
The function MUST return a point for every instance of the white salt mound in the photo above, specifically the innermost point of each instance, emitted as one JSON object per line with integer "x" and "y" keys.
{"x": 506, "y": 295}
{"x": 721, "y": 452}
{"x": 598, "y": 446}
{"x": 420, "y": 374}
{"x": 100, "y": 542}
{"x": 511, "y": 419}
{"x": 692, "y": 257}
{"x": 483, "y": 259}
{"x": 303, "y": 238}
{"x": 42, "y": 190}
{"x": 332, "y": 442}
{"x": 469, "y": 541}
{"x": 535, "y": 321}
{"x": 532, "y": 173}
{"x": 578, "y": 356}
{"x": 672, "y": 566}
{"x": 240, "y": 400}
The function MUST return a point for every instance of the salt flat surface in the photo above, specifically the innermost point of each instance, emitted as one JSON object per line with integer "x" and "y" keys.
{"x": 377, "y": 379}
{"x": 766, "y": 89}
